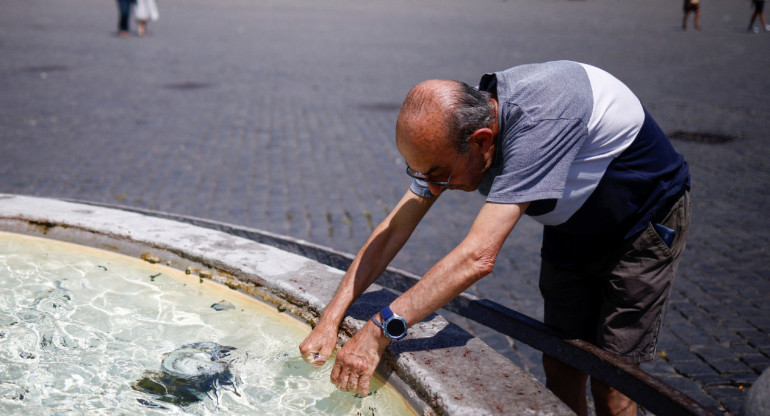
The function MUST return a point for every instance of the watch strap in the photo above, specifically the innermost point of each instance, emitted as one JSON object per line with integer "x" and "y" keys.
{"x": 386, "y": 314}
{"x": 388, "y": 317}
{"x": 378, "y": 323}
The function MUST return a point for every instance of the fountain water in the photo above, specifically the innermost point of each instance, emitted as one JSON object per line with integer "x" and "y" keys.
{"x": 438, "y": 368}
{"x": 81, "y": 325}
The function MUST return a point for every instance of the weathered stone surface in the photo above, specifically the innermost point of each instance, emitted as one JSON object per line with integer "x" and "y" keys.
{"x": 451, "y": 369}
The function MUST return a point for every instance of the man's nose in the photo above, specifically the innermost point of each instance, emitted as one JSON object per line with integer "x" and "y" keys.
{"x": 436, "y": 190}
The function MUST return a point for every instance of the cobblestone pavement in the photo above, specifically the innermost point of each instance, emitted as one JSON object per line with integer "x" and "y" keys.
{"x": 279, "y": 115}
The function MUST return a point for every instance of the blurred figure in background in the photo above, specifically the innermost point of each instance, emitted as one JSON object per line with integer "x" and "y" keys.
{"x": 144, "y": 11}
{"x": 759, "y": 10}
{"x": 691, "y": 6}
{"x": 124, "y": 13}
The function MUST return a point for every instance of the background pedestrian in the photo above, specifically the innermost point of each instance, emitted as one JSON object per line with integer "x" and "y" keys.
{"x": 124, "y": 13}
{"x": 144, "y": 11}
{"x": 691, "y": 6}
{"x": 759, "y": 10}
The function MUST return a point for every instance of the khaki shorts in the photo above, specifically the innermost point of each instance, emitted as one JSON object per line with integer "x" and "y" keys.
{"x": 618, "y": 303}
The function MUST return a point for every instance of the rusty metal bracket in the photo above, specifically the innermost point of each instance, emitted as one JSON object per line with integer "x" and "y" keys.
{"x": 643, "y": 388}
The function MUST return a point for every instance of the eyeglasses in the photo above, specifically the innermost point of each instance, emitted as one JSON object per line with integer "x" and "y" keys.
{"x": 422, "y": 177}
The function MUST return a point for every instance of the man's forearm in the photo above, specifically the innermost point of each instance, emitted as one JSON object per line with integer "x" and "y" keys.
{"x": 375, "y": 255}
{"x": 443, "y": 282}
{"x": 361, "y": 274}
{"x": 473, "y": 259}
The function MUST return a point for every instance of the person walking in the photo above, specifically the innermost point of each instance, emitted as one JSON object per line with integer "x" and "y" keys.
{"x": 691, "y": 6}
{"x": 124, "y": 14}
{"x": 145, "y": 11}
{"x": 572, "y": 147}
{"x": 759, "y": 11}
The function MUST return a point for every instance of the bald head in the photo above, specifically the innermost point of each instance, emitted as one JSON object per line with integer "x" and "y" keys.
{"x": 442, "y": 113}
{"x": 424, "y": 120}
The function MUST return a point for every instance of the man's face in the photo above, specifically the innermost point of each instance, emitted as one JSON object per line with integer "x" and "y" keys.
{"x": 423, "y": 141}
{"x": 442, "y": 166}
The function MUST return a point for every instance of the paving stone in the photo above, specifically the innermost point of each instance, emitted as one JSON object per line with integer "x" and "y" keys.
{"x": 682, "y": 384}
{"x": 728, "y": 365}
{"x": 738, "y": 324}
{"x": 732, "y": 406}
{"x": 764, "y": 350}
{"x": 712, "y": 349}
{"x": 736, "y": 344}
{"x": 659, "y": 368}
{"x": 712, "y": 380}
{"x": 706, "y": 400}
{"x": 743, "y": 379}
{"x": 757, "y": 362}
{"x": 694, "y": 368}
{"x": 757, "y": 338}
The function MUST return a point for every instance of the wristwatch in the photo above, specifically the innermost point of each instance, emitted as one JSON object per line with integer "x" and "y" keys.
{"x": 393, "y": 326}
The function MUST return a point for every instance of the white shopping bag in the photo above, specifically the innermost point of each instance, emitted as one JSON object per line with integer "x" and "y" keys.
{"x": 145, "y": 10}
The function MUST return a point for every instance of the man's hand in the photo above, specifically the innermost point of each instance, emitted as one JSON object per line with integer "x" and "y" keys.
{"x": 319, "y": 345}
{"x": 358, "y": 359}
{"x": 370, "y": 262}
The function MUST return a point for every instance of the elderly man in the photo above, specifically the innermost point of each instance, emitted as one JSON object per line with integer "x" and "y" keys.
{"x": 567, "y": 144}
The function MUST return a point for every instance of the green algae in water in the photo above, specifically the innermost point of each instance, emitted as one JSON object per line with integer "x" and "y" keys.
{"x": 81, "y": 328}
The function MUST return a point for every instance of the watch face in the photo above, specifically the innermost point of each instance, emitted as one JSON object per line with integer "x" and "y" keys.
{"x": 396, "y": 327}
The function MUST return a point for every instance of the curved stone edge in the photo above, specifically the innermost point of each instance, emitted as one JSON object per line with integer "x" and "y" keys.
{"x": 758, "y": 398}
{"x": 452, "y": 371}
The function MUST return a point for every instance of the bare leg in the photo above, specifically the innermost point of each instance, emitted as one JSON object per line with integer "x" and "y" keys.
{"x": 142, "y": 28}
{"x": 684, "y": 20}
{"x": 762, "y": 20}
{"x": 609, "y": 401}
{"x": 697, "y": 18}
{"x": 567, "y": 383}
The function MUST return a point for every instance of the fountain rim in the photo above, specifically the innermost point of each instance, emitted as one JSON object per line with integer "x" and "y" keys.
{"x": 438, "y": 369}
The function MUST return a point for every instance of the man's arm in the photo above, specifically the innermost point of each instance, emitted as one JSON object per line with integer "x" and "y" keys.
{"x": 375, "y": 255}
{"x": 473, "y": 259}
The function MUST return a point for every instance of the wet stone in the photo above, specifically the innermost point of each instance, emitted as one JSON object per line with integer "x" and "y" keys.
{"x": 188, "y": 374}
{"x": 12, "y": 391}
{"x": 222, "y": 305}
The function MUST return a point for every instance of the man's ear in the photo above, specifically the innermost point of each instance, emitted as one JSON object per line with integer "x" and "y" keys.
{"x": 483, "y": 138}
